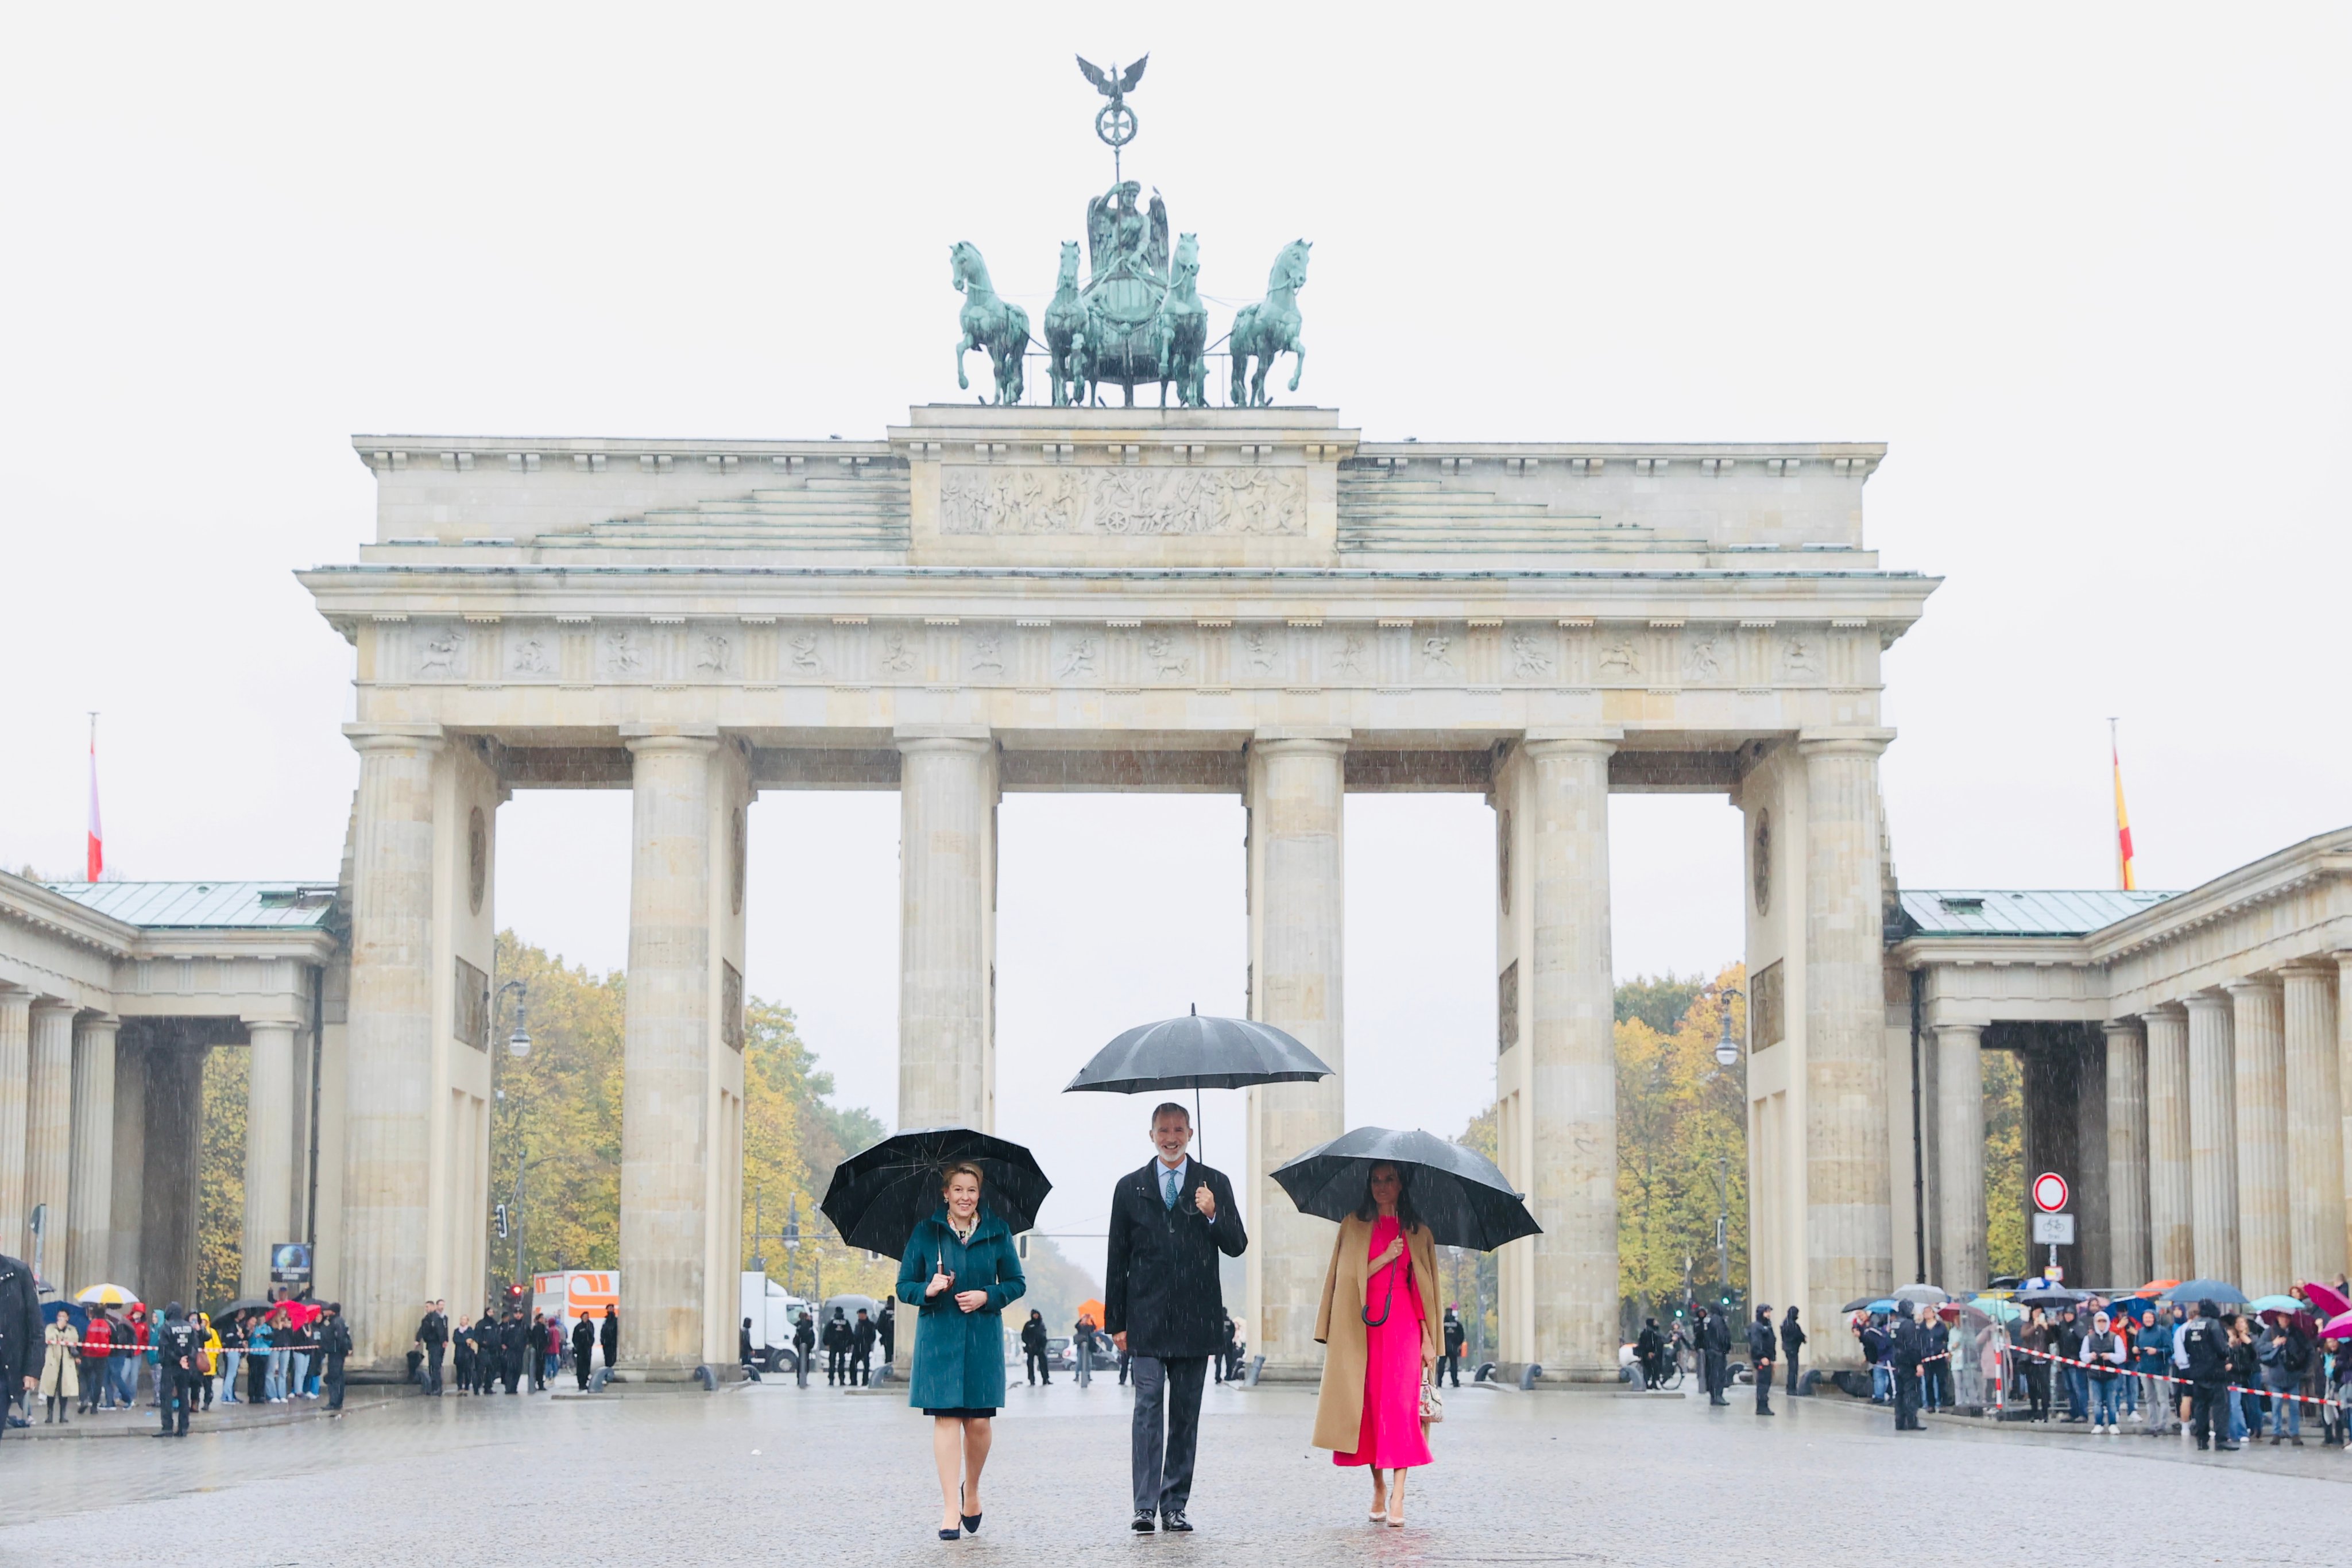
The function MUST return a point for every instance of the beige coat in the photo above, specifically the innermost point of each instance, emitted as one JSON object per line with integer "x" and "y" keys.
{"x": 1339, "y": 1327}
{"x": 60, "y": 1374}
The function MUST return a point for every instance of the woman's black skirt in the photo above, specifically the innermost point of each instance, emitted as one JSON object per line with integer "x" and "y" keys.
{"x": 971, "y": 1415}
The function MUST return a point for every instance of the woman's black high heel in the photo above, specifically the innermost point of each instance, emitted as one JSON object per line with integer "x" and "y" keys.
{"x": 971, "y": 1521}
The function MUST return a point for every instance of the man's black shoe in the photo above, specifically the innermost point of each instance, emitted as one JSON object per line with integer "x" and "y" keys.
{"x": 2226, "y": 1447}
{"x": 1176, "y": 1523}
{"x": 1144, "y": 1522}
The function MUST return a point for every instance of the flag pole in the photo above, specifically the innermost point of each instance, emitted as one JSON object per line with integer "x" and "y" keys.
{"x": 96, "y": 857}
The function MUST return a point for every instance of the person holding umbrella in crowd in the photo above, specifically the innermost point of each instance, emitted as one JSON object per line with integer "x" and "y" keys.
{"x": 960, "y": 1272}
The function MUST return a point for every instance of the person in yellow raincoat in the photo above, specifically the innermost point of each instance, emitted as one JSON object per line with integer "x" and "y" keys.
{"x": 208, "y": 1353}
{"x": 60, "y": 1369}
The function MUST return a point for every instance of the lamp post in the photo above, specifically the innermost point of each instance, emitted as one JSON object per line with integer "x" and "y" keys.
{"x": 1726, "y": 1057}
{"x": 518, "y": 1048}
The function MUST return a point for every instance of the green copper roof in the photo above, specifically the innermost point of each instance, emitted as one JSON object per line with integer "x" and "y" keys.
{"x": 1999, "y": 912}
{"x": 205, "y": 905}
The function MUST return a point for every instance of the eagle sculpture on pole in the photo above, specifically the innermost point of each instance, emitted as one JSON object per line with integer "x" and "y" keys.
{"x": 1115, "y": 123}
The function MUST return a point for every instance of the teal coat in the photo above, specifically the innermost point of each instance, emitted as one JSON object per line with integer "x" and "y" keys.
{"x": 959, "y": 1361}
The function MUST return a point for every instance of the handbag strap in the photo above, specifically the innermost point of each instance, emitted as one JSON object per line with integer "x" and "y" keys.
{"x": 1389, "y": 1305}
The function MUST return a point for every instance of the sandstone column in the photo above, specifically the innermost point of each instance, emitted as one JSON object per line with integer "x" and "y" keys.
{"x": 48, "y": 1132}
{"x": 666, "y": 1060}
{"x": 2212, "y": 1138}
{"x": 269, "y": 1150}
{"x": 88, "y": 1231}
{"x": 2343, "y": 1074}
{"x": 1849, "y": 1223}
{"x": 2314, "y": 1147}
{"x": 946, "y": 917}
{"x": 1960, "y": 1169}
{"x": 2315, "y": 1157}
{"x": 388, "y": 1046}
{"x": 2171, "y": 1228}
{"x": 16, "y": 1066}
{"x": 1297, "y": 785}
{"x": 1572, "y": 1074}
{"x": 130, "y": 1161}
{"x": 2258, "y": 1034}
{"x": 2127, "y": 1133}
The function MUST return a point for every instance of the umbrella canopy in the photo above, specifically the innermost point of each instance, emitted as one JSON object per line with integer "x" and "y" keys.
{"x": 1457, "y": 1192}
{"x": 2042, "y": 1292}
{"x": 1998, "y": 1311}
{"x": 2326, "y": 1299}
{"x": 75, "y": 1314}
{"x": 878, "y": 1197}
{"x": 108, "y": 1296}
{"x": 2287, "y": 1304}
{"x": 1931, "y": 1295}
{"x": 299, "y": 1314}
{"x": 243, "y": 1305}
{"x": 2139, "y": 1309}
{"x": 1196, "y": 1052}
{"x": 1093, "y": 1311}
{"x": 1863, "y": 1304}
{"x": 2338, "y": 1327}
{"x": 2214, "y": 1290}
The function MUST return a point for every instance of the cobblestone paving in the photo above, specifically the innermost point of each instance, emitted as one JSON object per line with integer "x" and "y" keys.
{"x": 781, "y": 1476}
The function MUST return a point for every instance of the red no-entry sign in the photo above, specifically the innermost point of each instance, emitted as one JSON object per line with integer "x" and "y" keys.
{"x": 2050, "y": 1192}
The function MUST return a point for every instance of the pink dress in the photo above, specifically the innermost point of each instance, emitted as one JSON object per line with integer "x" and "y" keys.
{"x": 1390, "y": 1437}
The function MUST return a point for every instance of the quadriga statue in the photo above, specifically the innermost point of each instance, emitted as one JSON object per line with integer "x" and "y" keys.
{"x": 996, "y": 325}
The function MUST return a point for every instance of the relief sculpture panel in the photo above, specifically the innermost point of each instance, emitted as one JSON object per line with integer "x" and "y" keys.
{"x": 1123, "y": 501}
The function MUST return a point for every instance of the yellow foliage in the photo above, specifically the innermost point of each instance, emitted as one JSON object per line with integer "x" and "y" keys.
{"x": 220, "y": 1179}
{"x": 2004, "y": 1166}
{"x": 1682, "y": 1149}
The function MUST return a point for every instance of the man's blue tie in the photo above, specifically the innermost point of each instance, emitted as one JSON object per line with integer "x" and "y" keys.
{"x": 1168, "y": 1186}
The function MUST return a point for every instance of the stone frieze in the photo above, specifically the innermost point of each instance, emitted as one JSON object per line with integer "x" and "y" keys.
{"x": 1242, "y": 500}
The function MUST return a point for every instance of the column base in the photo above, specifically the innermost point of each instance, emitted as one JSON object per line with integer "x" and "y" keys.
{"x": 627, "y": 1379}
{"x": 1510, "y": 1373}
{"x": 1290, "y": 1372}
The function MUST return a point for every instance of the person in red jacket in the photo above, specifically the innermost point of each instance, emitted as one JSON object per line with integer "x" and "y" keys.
{"x": 97, "y": 1344}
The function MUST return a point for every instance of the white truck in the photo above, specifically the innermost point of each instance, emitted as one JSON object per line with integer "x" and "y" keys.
{"x": 771, "y": 1309}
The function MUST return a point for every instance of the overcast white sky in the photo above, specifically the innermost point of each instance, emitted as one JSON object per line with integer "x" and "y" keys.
{"x": 2084, "y": 268}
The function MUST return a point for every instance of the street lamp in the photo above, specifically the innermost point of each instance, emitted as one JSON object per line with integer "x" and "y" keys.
{"x": 1727, "y": 1050}
{"x": 519, "y": 1043}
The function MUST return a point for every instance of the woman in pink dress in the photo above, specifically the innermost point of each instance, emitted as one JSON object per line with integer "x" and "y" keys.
{"x": 1378, "y": 1324}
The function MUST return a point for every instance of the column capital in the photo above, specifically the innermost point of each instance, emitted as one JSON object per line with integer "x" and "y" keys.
{"x": 966, "y": 737}
{"x": 106, "y": 1023}
{"x": 366, "y": 737}
{"x": 15, "y": 1001}
{"x": 267, "y": 1021}
{"x": 2315, "y": 967}
{"x": 2206, "y": 1001}
{"x": 1843, "y": 742}
{"x": 54, "y": 1005}
{"x": 2253, "y": 983}
{"x": 2131, "y": 1023}
{"x": 1554, "y": 742}
{"x": 2170, "y": 1011}
{"x": 1975, "y": 1029}
{"x": 1338, "y": 735}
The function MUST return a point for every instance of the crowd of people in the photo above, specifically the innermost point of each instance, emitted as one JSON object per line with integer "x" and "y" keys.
{"x": 121, "y": 1357}
{"x": 502, "y": 1350}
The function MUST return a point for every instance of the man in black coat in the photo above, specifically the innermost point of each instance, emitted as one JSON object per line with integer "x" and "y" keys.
{"x": 583, "y": 1351}
{"x": 1907, "y": 1349}
{"x": 1793, "y": 1340}
{"x": 1715, "y": 1348}
{"x": 804, "y": 1346}
{"x": 1649, "y": 1352}
{"x": 335, "y": 1344}
{"x": 608, "y": 1335}
{"x": 861, "y": 1350}
{"x": 1456, "y": 1337}
{"x": 432, "y": 1334}
{"x": 514, "y": 1346}
{"x": 1162, "y": 1306}
{"x": 886, "y": 1331}
{"x": 1760, "y": 1349}
{"x": 21, "y": 1350}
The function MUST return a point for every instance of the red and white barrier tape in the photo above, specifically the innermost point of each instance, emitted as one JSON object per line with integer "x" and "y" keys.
{"x": 2165, "y": 1376}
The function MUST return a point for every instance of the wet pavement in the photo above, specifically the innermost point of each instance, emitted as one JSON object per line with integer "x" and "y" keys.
{"x": 777, "y": 1475}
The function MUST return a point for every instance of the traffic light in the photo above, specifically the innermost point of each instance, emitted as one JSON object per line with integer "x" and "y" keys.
{"x": 502, "y": 1221}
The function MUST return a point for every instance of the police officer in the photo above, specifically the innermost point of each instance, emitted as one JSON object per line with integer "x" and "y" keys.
{"x": 583, "y": 1351}
{"x": 1450, "y": 1359}
{"x": 2198, "y": 1350}
{"x": 837, "y": 1348}
{"x": 1906, "y": 1350}
{"x": 178, "y": 1369}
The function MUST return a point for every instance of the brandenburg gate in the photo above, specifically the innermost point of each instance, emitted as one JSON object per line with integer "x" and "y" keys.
{"x": 989, "y": 599}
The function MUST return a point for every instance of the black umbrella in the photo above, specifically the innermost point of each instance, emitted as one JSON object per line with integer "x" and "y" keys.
{"x": 1459, "y": 1193}
{"x": 1196, "y": 1054}
{"x": 244, "y": 1304}
{"x": 878, "y": 1197}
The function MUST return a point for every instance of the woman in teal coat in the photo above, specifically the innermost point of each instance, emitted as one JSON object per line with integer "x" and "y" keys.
{"x": 960, "y": 1271}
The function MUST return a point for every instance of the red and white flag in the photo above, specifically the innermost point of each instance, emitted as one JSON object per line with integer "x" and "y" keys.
{"x": 97, "y": 838}
{"x": 2126, "y": 873}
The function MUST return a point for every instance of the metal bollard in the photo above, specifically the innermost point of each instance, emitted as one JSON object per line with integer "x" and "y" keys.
{"x": 1528, "y": 1375}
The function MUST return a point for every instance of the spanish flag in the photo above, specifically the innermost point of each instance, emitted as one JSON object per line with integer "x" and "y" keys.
{"x": 2127, "y": 877}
